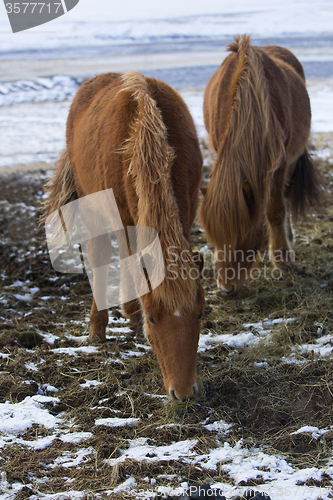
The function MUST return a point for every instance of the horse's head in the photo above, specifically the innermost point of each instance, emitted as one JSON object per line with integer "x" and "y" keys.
{"x": 174, "y": 336}
{"x": 237, "y": 237}
{"x": 235, "y": 264}
{"x": 231, "y": 274}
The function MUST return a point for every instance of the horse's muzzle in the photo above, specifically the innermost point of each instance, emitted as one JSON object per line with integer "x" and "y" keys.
{"x": 182, "y": 395}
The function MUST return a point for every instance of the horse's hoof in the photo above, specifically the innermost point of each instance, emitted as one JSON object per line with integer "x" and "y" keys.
{"x": 95, "y": 338}
{"x": 136, "y": 322}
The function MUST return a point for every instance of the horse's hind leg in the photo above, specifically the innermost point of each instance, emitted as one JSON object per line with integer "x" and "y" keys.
{"x": 99, "y": 255}
{"x": 280, "y": 231}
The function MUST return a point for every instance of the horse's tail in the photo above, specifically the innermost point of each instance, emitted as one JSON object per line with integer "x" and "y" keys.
{"x": 61, "y": 188}
{"x": 252, "y": 149}
{"x": 306, "y": 186}
{"x": 150, "y": 158}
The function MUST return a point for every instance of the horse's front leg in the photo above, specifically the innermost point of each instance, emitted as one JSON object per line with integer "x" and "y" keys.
{"x": 99, "y": 255}
{"x": 289, "y": 228}
{"x": 131, "y": 309}
{"x": 280, "y": 231}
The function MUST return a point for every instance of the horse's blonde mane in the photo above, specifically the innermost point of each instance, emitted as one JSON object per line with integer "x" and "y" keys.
{"x": 150, "y": 160}
{"x": 251, "y": 150}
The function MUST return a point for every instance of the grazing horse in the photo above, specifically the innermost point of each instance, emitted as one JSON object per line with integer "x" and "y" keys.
{"x": 257, "y": 113}
{"x": 135, "y": 135}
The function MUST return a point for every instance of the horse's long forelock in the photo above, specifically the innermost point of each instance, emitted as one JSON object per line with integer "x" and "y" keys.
{"x": 251, "y": 123}
{"x": 151, "y": 159}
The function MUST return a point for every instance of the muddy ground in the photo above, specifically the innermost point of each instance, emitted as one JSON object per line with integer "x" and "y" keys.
{"x": 267, "y": 390}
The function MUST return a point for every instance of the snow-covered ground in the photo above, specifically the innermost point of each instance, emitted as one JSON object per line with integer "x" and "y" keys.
{"x": 281, "y": 480}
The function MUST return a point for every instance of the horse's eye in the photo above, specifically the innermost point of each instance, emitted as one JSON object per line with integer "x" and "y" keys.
{"x": 200, "y": 316}
{"x": 151, "y": 319}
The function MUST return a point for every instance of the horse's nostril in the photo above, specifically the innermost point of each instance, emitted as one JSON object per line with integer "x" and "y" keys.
{"x": 187, "y": 396}
{"x": 231, "y": 291}
{"x": 173, "y": 395}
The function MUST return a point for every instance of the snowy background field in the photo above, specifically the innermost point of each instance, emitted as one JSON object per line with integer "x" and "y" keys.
{"x": 73, "y": 409}
{"x": 104, "y": 23}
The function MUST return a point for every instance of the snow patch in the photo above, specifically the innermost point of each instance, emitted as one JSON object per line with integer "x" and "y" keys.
{"x": 18, "y": 417}
{"x": 117, "y": 422}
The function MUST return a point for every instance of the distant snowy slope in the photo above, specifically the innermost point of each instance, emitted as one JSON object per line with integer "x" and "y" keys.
{"x": 106, "y": 22}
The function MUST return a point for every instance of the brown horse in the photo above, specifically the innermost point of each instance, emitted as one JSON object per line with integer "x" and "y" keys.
{"x": 257, "y": 113}
{"x": 135, "y": 135}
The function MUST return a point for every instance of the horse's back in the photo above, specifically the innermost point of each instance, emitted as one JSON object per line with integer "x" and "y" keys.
{"x": 87, "y": 94}
{"x": 102, "y": 92}
{"x": 100, "y": 109}
{"x": 286, "y": 56}
{"x": 95, "y": 127}
{"x": 182, "y": 134}
{"x": 290, "y": 100}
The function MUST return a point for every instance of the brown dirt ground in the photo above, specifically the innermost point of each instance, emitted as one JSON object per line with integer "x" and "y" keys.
{"x": 268, "y": 401}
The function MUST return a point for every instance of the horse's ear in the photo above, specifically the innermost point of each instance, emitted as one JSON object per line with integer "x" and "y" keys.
{"x": 249, "y": 197}
{"x": 198, "y": 259}
{"x": 203, "y": 190}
